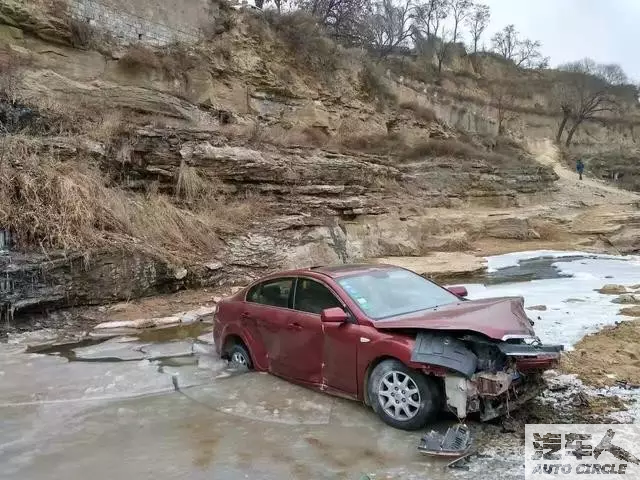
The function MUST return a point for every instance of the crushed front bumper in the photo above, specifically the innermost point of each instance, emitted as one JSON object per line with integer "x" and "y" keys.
{"x": 490, "y": 394}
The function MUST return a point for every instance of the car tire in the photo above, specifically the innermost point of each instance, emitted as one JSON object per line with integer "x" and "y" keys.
{"x": 410, "y": 408}
{"x": 239, "y": 356}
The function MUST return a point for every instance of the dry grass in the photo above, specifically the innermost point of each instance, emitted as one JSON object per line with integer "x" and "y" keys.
{"x": 315, "y": 136}
{"x": 173, "y": 60}
{"x": 423, "y": 113}
{"x": 11, "y": 66}
{"x": 374, "y": 86}
{"x": 389, "y": 144}
{"x": 396, "y": 145}
{"x": 435, "y": 147}
{"x": 54, "y": 205}
{"x": 305, "y": 38}
{"x": 140, "y": 57}
{"x": 82, "y": 34}
{"x": 109, "y": 126}
{"x": 192, "y": 186}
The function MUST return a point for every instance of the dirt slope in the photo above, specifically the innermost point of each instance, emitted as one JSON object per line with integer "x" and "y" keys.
{"x": 590, "y": 191}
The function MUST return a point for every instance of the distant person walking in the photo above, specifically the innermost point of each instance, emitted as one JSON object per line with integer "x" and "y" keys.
{"x": 580, "y": 167}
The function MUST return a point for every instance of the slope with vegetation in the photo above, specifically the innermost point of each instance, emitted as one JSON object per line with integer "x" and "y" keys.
{"x": 127, "y": 171}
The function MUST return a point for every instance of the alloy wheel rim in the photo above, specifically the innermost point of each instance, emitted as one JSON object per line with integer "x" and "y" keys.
{"x": 239, "y": 359}
{"x": 399, "y": 396}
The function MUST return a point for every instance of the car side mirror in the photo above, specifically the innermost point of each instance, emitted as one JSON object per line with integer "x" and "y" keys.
{"x": 334, "y": 315}
{"x": 459, "y": 291}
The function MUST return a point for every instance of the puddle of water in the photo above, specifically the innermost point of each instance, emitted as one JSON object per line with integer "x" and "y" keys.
{"x": 179, "y": 332}
{"x": 65, "y": 349}
{"x": 129, "y": 348}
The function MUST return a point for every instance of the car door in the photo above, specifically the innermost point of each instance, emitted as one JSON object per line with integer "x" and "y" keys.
{"x": 266, "y": 317}
{"x": 328, "y": 350}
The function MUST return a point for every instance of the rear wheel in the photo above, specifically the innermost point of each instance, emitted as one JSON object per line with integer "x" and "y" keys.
{"x": 402, "y": 397}
{"x": 239, "y": 356}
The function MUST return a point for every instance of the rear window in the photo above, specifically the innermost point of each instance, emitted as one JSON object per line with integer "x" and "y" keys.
{"x": 275, "y": 293}
{"x": 389, "y": 293}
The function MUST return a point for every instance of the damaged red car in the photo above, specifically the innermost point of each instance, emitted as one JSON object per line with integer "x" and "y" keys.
{"x": 383, "y": 335}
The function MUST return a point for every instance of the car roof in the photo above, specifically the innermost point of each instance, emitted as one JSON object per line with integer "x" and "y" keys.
{"x": 338, "y": 271}
{"x": 334, "y": 271}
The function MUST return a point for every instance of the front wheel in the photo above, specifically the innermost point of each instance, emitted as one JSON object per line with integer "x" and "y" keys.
{"x": 402, "y": 397}
{"x": 239, "y": 357}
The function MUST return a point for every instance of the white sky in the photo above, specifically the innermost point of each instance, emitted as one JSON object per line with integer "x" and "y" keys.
{"x": 606, "y": 30}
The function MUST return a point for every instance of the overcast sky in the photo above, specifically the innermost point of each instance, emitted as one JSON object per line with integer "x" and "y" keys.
{"x": 606, "y": 30}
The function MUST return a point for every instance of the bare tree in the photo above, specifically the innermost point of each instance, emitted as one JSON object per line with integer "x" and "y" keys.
{"x": 614, "y": 74}
{"x": 528, "y": 53}
{"x": 278, "y": 4}
{"x": 478, "y": 22}
{"x": 460, "y": 10}
{"x": 583, "y": 93}
{"x": 443, "y": 48}
{"x": 428, "y": 17}
{"x": 523, "y": 52}
{"x": 342, "y": 18}
{"x": 390, "y": 26}
{"x": 502, "y": 98}
{"x": 505, "y": 42}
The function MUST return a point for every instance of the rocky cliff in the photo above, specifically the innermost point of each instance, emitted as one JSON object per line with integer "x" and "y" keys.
{"x": 138, "y": 171}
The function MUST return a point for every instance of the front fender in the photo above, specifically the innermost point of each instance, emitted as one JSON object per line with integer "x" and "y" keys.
{"x": 370, "y": 354}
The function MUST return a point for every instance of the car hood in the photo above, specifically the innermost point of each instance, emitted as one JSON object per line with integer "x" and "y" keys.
{"x": 493, "y": 317}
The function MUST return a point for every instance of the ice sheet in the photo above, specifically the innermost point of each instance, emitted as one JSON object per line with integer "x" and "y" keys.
{"x": 574, "y": 308}
{"x": 512, "y": 259}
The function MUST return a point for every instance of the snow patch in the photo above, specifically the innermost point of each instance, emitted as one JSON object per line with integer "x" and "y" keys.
{"x": 498, "y": 262}
{"x": 574, "y": 308}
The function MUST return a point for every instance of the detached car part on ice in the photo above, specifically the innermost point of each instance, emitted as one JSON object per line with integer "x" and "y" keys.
{"x": 481, "y": 375}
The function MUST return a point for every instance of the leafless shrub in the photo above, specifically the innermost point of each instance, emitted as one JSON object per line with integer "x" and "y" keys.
{"x": 110, "y": 125}
{"x": 390, "y": 25}
{"x": 422, "y": 112}
{"x": 10, "y": 75}
{"x": 219, "y": 22}
{"x": 139, "y": 57}
{"x": 315, "y": 136}
{"x": 435, "y": 147}
{"x": 441, "y": 148}
{"x": 389, "y": 144}
{"x": 176, "y": 59}
{"x": 172, "y": 60}
{"x": 256, "y": 134}
{"x": 307, "y": 41}
{"x": 82, "y": 34}
{"x": 373, "y": 85}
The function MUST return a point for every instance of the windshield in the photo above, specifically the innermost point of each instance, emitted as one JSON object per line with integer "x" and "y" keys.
{"x": 389, "y": 293}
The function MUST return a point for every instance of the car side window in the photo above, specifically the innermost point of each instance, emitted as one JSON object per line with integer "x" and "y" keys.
{"x": 313, "y": 297}
{"x": 272, "y": 292}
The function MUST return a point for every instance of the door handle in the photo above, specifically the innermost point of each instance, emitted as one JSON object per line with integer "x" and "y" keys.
{"x": 294, "y": 326}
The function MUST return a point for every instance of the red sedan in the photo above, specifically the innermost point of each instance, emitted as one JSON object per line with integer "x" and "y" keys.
{"x": 386, "y": 336}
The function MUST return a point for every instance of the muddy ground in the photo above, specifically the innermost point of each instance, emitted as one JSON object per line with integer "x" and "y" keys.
{"x": 607, "y": 358}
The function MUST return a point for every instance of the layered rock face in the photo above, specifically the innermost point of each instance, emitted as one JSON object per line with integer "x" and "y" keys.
{"x": 332, "y": 175}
